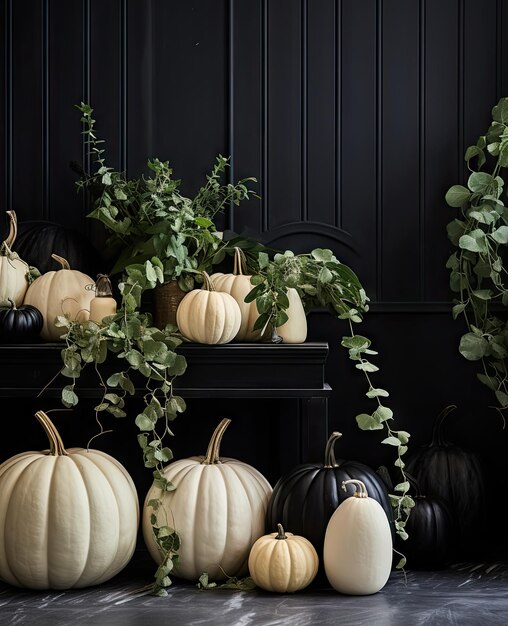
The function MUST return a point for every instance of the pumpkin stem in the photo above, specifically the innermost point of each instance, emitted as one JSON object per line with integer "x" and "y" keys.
{"x": 13, "y": 304}
{"x": 360, "y": 488}
{"x": 437, "y": 438}
{"x": 414, "y": 484}
{"x": 329, "y": 450}
{"x": 55, "y": 441}
{"x": 240, "y": 264}
{"x": 63, "y": 262}
{"x": 212, "y": 453}
{"x": 281, "y": 534}
{"x": 13, "y": 229}
{"x": 207, "y": 282}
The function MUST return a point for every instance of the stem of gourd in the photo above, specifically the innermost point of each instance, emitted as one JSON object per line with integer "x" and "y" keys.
{"x": 13, "y": 229}
{"x": 437, "y": 439}
{"x": 212, "y": 453}
{"x": 280, "y": 531}
{"x": 57, "y": 447}
{"x": 207, "y": 282}
{"x": 63, "y": 262}
{"x": 329, "y": 450}
{"x": 360, "y": 488}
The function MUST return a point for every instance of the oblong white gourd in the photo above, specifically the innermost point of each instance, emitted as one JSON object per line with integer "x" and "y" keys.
{"x": 218, "y": 509}
{"x": 357, "y": 552}
{"x": 68, "y": 518}
{"x": 295, "y": 329}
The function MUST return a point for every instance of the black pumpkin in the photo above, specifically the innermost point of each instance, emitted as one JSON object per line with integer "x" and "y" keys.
{"x": 305, "y": 498}
{"x": 447, "y": 471}
{"x": 38, "y": 240}
{"x": 431, "y": 529}
{"x": 20, "y": 324}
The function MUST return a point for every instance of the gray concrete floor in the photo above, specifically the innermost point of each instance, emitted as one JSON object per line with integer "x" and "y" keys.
{"x": 467, "y": 594}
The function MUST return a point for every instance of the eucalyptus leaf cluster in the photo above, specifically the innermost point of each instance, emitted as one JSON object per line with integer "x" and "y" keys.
{"x": 322, "y": 281}
{"x": 477, "y": 270}
{"x": 148, "y": 216}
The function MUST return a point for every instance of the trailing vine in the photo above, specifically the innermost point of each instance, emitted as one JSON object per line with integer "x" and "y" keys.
{"x": 477, "y": 270}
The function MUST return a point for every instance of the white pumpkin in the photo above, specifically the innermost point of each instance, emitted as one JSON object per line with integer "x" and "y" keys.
{"x": 68, "y": 518}
{"x": 208, "y": 316}
{"x": 218, "y": 509}
{"x": 357, "y": 552}
{"x": 295, "y": 329}
{"x": 13, "y": 271}
{"x": 64, "y": 292}
{"x": 238, "y": 285}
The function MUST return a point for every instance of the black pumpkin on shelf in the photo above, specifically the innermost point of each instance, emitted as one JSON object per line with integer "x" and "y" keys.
{"x": 432, "y": 531}
{"x": 38, "y": 240}
{"x": 304, "y": 499}
{"x": 445, "y": 470}
{"x": 20, "y": 324}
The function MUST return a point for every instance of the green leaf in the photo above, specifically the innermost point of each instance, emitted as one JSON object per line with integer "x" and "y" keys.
{"x": 502, "y": 398}
{"x": 403, "y": 436}
{"x": 376, "y": 393}
{"x": 383, "y": 413}
{"x": 475, "y": 241}
{"x": 365, "y": 366}
{"x": 457, "y": 310}
{"x": 482, "y": 294}
{"x": 69, "y": 398}
{"x": 321, "y": 254}
{"x": 457, "y": 195}
{"x": 263, "y": 260}
{"x": 489, "y": 381}
{"x": 391, "y": 441}
{"x": 481, "y": 182}
{"x": 368, "y": 422}
{"x": 325, "y": 276}
{"x": 472, "y": 347}
{"x": 500, "y": 234}
{"x": 143, "y": 422}
{"x": 402, "y": 486}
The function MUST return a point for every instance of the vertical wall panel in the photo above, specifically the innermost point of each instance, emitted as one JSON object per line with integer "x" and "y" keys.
{"x": 28, "y": 148}
{"x": 441, "y": 140}
{"x": 399, "y": 230}
{"x": 357, "y": 125}
{"x": 66, "y": 25}
{"x": 321, "y": 111}
{"x": 5, "y": 107}
{"x": 284, "y": 112}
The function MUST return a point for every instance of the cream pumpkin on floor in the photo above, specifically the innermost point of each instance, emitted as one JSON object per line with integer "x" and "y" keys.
{"x": 218, "y": 509}
{"x": 68, "y": 518}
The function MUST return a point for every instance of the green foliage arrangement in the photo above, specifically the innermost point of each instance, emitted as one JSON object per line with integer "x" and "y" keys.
{"x": 159, "y": 235}
{"x": 477, "y": 269}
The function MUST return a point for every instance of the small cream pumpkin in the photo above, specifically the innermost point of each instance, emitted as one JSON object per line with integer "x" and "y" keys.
{"x": 357, "y": 552}
{"x": 238, "y": 285}
{"x": 283, "y": 562}
{"x": 208, "y": 316}
{"x": 13, "y": 271}
{"x": 64, "y": 292}
{"x": 68, "y": 518}
{"x": 218, "y": 509}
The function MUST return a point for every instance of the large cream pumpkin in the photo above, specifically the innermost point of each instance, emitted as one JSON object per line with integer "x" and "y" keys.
{"x": 13, "y": 271}
{"x": 64, "y": 292}
{"x": 208, "y": 316}
{"x": 68, "y": 518}
{"x": 218, "y": 509}
{"x": 238, "y": 285}
{"x": 357, "y": 552}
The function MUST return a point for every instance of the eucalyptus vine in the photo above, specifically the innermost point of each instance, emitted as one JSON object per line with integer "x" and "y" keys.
{"x": 323, "y": 281}
{"x": 477, "y": 269}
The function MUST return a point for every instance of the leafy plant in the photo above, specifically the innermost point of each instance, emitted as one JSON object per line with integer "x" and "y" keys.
{"x": 323, "y": 281}
{"x": 148, "y": 217}
{"x": 477, "y": 269}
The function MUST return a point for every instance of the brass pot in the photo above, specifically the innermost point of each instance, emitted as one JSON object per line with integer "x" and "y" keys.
{"x": 167, "y": 297}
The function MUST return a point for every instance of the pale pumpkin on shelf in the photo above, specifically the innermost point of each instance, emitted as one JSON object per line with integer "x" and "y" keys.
{"x": 283, "y": 562}
{"x": 62, "y": 292}
{"x": 68, "y": 518}
{"x": 13, "y": 271}
{"x": 358, "y": 547}
{"x": 208, "y": 316}
{"x": 238, "y": 285}
{"x": 218, "y": 509}
{"x": 295, "y": 329}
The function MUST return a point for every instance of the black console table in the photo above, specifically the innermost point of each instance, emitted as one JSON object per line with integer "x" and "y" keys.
{"x": 230, "y": 371}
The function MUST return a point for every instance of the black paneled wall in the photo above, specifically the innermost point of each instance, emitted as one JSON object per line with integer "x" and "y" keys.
{"x": 353, "y": 115}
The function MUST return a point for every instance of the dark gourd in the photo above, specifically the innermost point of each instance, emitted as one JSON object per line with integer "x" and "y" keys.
{"x": 304, "y": 499}
{"x": 37, "y": 240}
{"x": 20, "y": 324}
{"x": 432, "y": 532}
{"x": 445, "y": 470}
